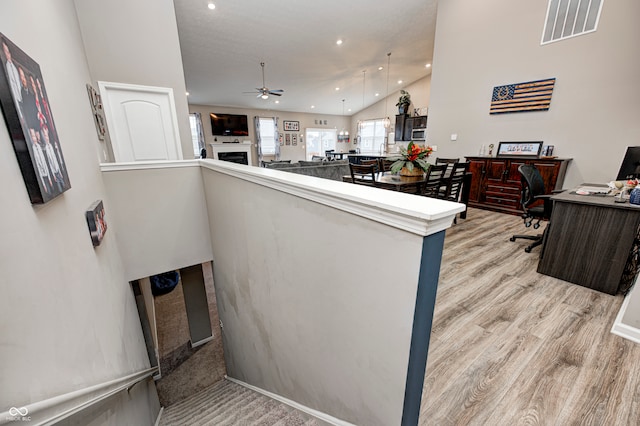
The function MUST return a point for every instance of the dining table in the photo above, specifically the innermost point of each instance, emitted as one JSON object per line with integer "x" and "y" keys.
{"x": 414, "y": 184}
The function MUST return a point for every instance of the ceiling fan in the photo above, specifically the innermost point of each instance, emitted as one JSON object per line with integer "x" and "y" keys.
{"x": 264, "y": 92}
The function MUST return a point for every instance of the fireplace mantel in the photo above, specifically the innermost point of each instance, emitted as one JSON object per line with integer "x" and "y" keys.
{"x": 245, "y": 146}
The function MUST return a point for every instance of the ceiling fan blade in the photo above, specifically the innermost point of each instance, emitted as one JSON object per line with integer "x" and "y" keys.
{"x": 251, "y": 92}
{"x": 277, "y": 90}
{"x": 275, "y": 94}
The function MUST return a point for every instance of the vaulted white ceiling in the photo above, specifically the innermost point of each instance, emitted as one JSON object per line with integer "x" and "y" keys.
{"x": 222, "y": 50}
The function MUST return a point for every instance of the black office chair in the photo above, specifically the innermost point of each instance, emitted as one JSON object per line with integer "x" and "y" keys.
{"x": 533, "y": 192}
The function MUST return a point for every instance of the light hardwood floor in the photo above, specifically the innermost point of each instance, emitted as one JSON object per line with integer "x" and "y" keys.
{"x": 510, "y": 346}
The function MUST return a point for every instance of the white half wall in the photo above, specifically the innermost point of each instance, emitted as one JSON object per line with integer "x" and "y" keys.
{"x": 314, "y": 304}
{"x": 160, "y": 215}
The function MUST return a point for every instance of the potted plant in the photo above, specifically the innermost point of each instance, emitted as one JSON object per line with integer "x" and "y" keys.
{"x": 412, "y": 160}
{"x": 403, "y": 102}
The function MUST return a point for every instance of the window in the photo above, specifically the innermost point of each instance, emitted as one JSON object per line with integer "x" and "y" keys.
{"x": 372, "y": 133}
{"x": 197, "y": 136}
{"x": 570, "y": 18}
{"x": 319, "y": 141}
{"x": 267, "y": 138}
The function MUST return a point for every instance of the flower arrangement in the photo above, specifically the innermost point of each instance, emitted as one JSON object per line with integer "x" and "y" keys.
{"x": 413, "y": 157}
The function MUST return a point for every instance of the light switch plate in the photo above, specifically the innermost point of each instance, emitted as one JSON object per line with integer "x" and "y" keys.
{"x": 454, "y": 136}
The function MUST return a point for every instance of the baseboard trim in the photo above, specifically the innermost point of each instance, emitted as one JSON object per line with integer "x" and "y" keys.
{"x": 315, "y": 413}
{"x": 159, "y": 416}
{"x": 623, "y": 330}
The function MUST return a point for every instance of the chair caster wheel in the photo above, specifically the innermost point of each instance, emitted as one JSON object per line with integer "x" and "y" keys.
{"x": 536, "y": 226}
{"x": 512, "y": 239}
{"x": 527, "y": 250}
{"x": 527, "y": 225}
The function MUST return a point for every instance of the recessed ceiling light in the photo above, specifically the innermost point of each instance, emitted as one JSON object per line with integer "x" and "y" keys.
{"x": 339, "y": 42}
{"x": 349, "y": 110}
{"x": 428, "y": 65}
{"x": 380, "y": 68}
{"x": 337, "y": 88}
{"x": 277, "y": 102}
{"x": 377, "y": 94}
{"x": 399, "y": 81}
{"x": 211, "y": 6}
{"x": 313, "y": 106}
{"x": 187, "y": 93}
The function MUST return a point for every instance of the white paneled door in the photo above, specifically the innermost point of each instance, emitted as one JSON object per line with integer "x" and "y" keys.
{"x": 142, "y": 122}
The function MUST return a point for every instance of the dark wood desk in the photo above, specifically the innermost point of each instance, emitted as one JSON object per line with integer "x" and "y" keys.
{"x": 588, "y": 240}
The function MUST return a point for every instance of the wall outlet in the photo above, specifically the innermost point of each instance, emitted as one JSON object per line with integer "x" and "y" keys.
{"x": 434, "y": 148}
{"x": 454, "y": 136}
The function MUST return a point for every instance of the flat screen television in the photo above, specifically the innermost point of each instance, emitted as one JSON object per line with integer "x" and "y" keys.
{"x": 229, "y": 125}
{"x": 630, "y": 167}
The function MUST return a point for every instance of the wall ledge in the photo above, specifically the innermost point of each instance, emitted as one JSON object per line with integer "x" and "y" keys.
{"x": 419, "y": 215}
{"x": 144, "y": 165}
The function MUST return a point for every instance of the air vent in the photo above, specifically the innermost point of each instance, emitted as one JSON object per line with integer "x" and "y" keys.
{"x": 570, "y": 18}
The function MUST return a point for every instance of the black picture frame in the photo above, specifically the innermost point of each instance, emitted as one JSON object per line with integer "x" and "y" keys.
{"x": 291, "y": 126}
{"x": 530, "y": 149}
{"x": 96, "y": 222}
{"x": 25, "y": 107}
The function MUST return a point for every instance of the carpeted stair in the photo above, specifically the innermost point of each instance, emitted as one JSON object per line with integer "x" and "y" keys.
{"x": 229, "y": 404}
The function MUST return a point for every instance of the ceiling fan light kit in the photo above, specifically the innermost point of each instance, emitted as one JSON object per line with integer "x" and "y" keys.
{"x": 264, "y": 92}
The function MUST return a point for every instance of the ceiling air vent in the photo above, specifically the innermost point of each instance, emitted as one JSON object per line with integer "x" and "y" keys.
{"x": 570, "y": 18}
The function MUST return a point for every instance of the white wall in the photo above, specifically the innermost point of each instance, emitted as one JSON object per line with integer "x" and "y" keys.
{"x": 67, "y": 314}
{"x": 136, "y": 42}
{"x": 160, "y": 217}
{"x": 594, "y": 109}
{"x": 287, "y": 152}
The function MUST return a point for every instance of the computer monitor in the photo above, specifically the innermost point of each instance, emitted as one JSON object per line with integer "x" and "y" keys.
{"x": 630, "y": 167}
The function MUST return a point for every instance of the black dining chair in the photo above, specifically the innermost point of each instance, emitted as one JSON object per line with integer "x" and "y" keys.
{"x": 434, "y": 180}
{"x": 449, "y": 162}
{"x": 363, "y": 174}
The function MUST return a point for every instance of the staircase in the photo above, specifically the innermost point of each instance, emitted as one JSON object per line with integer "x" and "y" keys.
{"x": 229, "y": 404}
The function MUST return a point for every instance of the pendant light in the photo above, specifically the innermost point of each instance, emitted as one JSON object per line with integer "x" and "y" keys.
{"x": 387, "y": 121}
{"x": 343, "y": 132}
{"x": 364, "y": 76}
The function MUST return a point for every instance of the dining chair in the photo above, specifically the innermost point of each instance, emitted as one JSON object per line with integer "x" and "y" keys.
{"x": 385, "y": 165}
{"x": 434, "y": 180}
{"x": 454, "y": 182}
{"x": 363, "y": 174}
{"x": 449, "y": 162}
{"x": 375, "y": 162}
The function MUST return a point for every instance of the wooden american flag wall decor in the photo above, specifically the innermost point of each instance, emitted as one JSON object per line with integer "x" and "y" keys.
{"x": 529, "y": 96}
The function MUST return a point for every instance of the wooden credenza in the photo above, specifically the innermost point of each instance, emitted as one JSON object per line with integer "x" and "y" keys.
{"x": 496, "y": 184}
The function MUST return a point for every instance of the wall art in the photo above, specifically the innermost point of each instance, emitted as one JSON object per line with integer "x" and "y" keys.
{"x": 25, "y": 107}
{"x": 291, "y": 126}
{"x": 522, "y": 97}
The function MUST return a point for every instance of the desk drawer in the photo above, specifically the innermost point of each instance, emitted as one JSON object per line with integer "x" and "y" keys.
{"x": 502, "y": 201}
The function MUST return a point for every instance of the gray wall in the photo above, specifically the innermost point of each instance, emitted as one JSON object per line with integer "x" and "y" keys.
{"x": 160, "y": 217}
{"x": 68, "y": 315}
{"x": 304, "y": 314}
{"x": 594, "y": 109}
{"x": 136, "y": 42}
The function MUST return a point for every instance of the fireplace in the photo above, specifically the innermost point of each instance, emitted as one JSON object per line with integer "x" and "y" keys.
{"x": 234, "y": 152}
{"x": 234, "y": 157}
